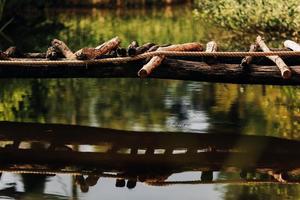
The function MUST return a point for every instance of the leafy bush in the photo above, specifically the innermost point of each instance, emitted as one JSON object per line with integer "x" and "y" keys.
{"x": 252, "y": 15}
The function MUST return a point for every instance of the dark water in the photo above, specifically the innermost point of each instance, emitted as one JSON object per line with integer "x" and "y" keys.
{"x": 212, "y": 110}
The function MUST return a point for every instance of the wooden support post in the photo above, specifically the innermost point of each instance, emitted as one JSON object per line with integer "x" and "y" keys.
{"x": 92, "y": 53}
{"x": 286, "y": 73}
{"x": 157, "y": 60}
{"x": 248, "y": 59}
{"x": 131, "y": 50}
{"x": 64, "y": 49}
{"x": 211, "y": 46}
{"x": 292, "y": 45}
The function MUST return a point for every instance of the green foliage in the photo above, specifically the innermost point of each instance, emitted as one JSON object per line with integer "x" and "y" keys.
{"x": 252, "y": 15}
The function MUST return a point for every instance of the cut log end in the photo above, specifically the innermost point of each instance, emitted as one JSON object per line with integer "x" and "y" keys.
{"x": 286, "y": 74}
{"x": 143, "y": 73}
{"x": 292, "y": 45}
{"x": 211, "y": 46}
{"x": 131, "y": 51}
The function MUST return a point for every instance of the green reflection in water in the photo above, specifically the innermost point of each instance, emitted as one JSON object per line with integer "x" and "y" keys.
{"x": 154, "y": 105}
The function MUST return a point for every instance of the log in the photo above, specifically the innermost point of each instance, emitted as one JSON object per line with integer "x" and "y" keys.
{"x": 169, "y": 69}
{"x": 34, "y": 55}
{"x": 248, "y": 59}
{"x": 284, "y": 69}
{"x": 64, "y": 49}
{"x": 154, "y": 48}
{"x": 3, "y": 56}
{"x": 93, "y": 53}
{"x": 121, "y": 52}
{"x": 211, "y": 46}
{"x": 144, "y": 48}
{"x": 292, "y": 45}
{"x": 157, "y": 60}
{"x": 13, "y": 52}
{"x": 131, "y": 50}
{"x": 52, "y": 53}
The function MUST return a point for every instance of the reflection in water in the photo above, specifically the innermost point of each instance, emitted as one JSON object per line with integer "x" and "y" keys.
{"x": 41, "y": 151}
{"x": 156, "y": 105}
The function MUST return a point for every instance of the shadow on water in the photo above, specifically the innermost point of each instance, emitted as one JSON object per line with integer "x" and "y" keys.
{"x": 39, "y": 151}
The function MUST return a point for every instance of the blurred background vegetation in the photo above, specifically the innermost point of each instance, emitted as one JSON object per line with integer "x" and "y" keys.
{"x": 250, "y": 15}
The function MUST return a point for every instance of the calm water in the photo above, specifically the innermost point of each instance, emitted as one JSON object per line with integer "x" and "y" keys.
{"x": 141, "y": 105}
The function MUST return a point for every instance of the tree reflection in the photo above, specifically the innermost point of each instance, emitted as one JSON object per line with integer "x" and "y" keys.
{"x": 154, "y": 105}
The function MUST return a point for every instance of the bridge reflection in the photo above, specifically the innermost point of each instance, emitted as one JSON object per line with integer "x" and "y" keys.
{"x": 88, "y": 154}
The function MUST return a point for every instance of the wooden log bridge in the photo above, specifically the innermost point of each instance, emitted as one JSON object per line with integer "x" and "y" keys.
{"x": 181, "y": 62}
